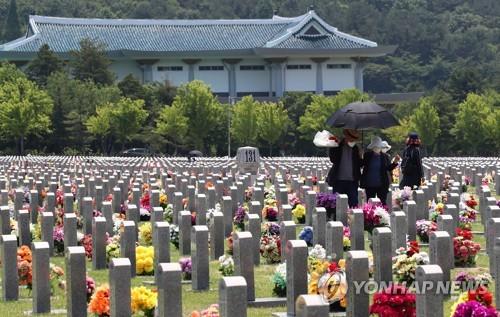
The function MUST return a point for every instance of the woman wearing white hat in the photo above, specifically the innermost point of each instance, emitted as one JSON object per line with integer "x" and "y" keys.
{"x": 376, "y": 167}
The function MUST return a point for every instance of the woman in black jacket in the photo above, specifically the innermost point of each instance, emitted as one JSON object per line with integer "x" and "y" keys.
{"x": 377, "y": 167}
{"x": 411, "y": 166}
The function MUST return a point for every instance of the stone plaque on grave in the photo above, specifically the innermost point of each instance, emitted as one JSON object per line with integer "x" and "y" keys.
{"x": 248, "y": 159}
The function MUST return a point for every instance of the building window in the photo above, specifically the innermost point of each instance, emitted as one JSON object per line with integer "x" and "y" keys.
{"x": 204, "y": 68}
{"x": 299, "y": 66}
{"x": 252, "y": 67}
{"x": 338, "y": 66}
{"x": 170, "y": 68}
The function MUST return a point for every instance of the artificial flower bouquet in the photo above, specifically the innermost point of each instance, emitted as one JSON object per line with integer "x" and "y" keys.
{"x": 211, "y": 311}
{"x": 226, "y": 265}
{"x": 394, "y": 301}
{"x": 144, "y": 263}
{"x": 400, "y": 196}
{"x": 270, "y": 243}
{"x": 375, "y": 215}
{"x": 406, "y": 261}
{"x": 270, "y": 213}
{"x": 186, "y": 268}
{"x": 467, "y": 281}
{"x": 239, "y": 217}
{"x": 24, "y": 266}
{"x": 435, "y": 210}
{"x": 306, "y": 234}
{"x": 424, "y": 229}
{"x": 100, "y": 302}
{"x": 327, "y": 278}
{"x": 143, "y": 301}
{"x": 279, "y": 280}
{"x": 174, "y": 235}
{"x": 146, "y": 234}
{"x": 299, "y": 213}
{"x": 473, "y": 303}
{"x": 327, "y": 201}
{"x": 465, "y": 251}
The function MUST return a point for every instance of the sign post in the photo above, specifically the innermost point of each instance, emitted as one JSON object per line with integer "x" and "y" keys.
{"x": 248, "y": 160}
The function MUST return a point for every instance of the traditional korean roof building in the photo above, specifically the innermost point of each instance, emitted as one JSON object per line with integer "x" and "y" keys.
{"x": 262, "y": 57}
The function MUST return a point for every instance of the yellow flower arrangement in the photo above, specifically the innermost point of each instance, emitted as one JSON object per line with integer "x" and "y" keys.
{"x": 144, "y": 260}
{"x": 143, "y": 300}
{"x": 163, "y": 200}
{"x": 146, "y": 233}
{"x": 299, "y": 212}
{"x": 461, "y": 299}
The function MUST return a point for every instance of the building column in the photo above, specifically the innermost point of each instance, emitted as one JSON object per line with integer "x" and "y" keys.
{"x": 358, "y": 72}
{"x": 230, "y": 64}
{"x": 191, "y": 63}
{"x": 270, "y": 68}
{"x": 277, "y": 75}
{"x": 319, "y": 73}
{"x": 146, "y": 66}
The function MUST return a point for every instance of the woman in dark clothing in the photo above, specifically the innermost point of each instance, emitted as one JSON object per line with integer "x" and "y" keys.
{"x": 411, "y": 166}
{"x": 377, "y": 167}
{"x": 346, "y": 170}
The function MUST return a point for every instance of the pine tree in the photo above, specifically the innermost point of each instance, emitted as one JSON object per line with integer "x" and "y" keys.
{"x": 12, "y": 28}
{"x": 45, "y": 63}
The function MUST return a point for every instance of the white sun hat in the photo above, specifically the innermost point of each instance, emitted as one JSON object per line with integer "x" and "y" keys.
{"x": 386, "y": 145}
{"x": 376, "y": 142}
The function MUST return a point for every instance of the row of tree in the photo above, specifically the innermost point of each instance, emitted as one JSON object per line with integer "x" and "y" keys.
{"x": 53, "y": 107}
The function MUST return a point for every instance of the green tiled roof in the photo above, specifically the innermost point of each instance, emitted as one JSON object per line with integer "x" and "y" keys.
{"x": 175, "y": 36}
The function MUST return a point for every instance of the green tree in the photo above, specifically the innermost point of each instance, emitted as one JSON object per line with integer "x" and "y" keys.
{"x": 99, "y": 125}
{"x": 426, "y": 122}
{"x": 45, "y": 64}
{"x": 493, "y": 130}
{"x": 24, "y": 110}
{"x": 273, "y": 122}
{"x": 12, "y": 28}
{"x": 244, "y": 121}
{"x": 322, "y": 107}
{"x": 172, "y": 125}
{"x": 120, "y": 120}
{"x": 470, "y": 125}
{"x": 131, "y": 87}
{"x": 197, "y": 103}
{"x": 91, "y": 63}
{"x": 74, "y": 102}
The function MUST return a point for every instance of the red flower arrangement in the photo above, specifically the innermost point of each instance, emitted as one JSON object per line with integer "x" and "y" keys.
{"x": 481, "y": 295}
{"x": 87, "y": 245}
{"x": 465, "y": 251}
{"x": 471, "y": 203}
{"x": 412, "y": 247}
{"x": 464, "y": 233}
{"x": 395, "y": 301}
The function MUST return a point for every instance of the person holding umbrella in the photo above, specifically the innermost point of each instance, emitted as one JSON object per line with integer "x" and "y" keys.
{"x": 411, "y": 166}
{"x": 377, "y": 168}
{"x": 346, "y": 170}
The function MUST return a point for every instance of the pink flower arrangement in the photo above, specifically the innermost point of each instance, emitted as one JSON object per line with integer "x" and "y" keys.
{"x": 375, "y": 215}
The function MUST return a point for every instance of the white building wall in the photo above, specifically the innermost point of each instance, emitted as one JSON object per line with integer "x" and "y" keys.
{"x": 300, "y": 79}
{"x": 216, "y": 79}
{"x": 122, "y": 68}
{"x": 175, "y": 77}
{"x": 338, "y": 79}
{"x": 252, "y": 80}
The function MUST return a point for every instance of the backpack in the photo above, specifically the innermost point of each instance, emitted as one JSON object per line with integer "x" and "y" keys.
{"x": 408, "y": 165}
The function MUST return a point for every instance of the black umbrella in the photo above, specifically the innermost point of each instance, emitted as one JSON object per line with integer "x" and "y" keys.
{"x": 362, "y": 116}
{"x": 195, "y": 153}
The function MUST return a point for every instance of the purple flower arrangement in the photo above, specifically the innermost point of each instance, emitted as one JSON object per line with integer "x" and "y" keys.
{"x": 90, "y": 287}
{"x": 473, "y": 308}
{"x": 186, "y": 268}
{"x": 239, "y": 217}
{"x": 58, "y": 236}
{"x": 326, "y": 200}
{"x": 273, "y": 229}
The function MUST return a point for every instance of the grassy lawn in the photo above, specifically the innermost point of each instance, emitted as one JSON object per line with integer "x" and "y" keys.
{"x": 201, "y": 300}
